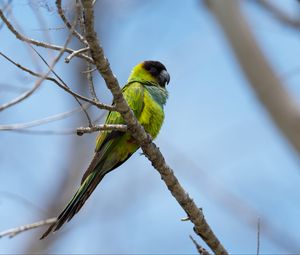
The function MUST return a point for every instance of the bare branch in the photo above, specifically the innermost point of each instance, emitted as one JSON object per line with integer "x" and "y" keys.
{"x": 199, "y": 248}
{"x": 39, "y": 43}
{"x": 38, "y": 82}
{"x": 118, "y": 127}
{"x": 150, "y": 150}
{"x": 67, "y": 23}
{"x": 6, "y": 6}
{"x": 278, "y": 13}
{"x": 22, "y": 97}
{"x": 65, "y": 85}
{"x": 67, "y": 89}
{"x": 89, "y": 76}
{"x": 258, "y": 236}
{"x": 271, "y": 91}
{"x": 90, "y": 70}
{"x": 22, "y": 128}
{"x": 43, "y": 121}
{"x": 74, "y": 53}
{"x": 15, "y": 231}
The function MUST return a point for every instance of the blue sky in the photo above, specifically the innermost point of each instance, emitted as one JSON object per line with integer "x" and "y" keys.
{"x": 217, "y": 137}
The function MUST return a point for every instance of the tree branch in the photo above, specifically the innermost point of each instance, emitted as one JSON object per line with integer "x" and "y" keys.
{"x": 262, "y": 78}
{"x": 199, "y": 248}
{"x": 150, "y": 150}
{"x": 39, "y": 81}
{"x": 104, "y": 127}
{"x": 67, "y": 89}
{"x": 279, "y": 14}
{"x": 67, "y": 23}
{"x": 15, "y": 231}
{"x": 39, "y": 43}
{"x": 34, "y": 123}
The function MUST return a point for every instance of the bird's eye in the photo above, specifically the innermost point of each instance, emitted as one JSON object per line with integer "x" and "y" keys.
{"x": 153, "y": 71}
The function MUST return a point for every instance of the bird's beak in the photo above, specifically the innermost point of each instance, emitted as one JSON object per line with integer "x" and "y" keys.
{"x": 165, "y": 77}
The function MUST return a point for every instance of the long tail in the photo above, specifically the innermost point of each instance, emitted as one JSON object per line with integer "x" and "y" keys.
{"x": 78, "y": 200}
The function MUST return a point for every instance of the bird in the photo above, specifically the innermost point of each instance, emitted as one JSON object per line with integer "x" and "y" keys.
{"x": 146, "y": 95}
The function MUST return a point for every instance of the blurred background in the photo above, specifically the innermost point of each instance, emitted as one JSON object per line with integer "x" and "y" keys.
{"x": 218, "y": 138}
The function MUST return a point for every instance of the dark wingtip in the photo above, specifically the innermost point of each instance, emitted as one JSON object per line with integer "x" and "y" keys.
{"x": 49, "y": 230}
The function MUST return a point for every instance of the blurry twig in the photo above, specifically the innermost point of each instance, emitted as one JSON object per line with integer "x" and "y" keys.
{"x": 67, "y": 23}
{"x": 151, "y": 151}
{"x": 199, "y": 248}
{"x": 23, "y": 127}
{"x": 268, "y": 87}
{"x": 39, "y": 43}
{"x": 258, "y": 236}
{"x": 43, "y": 121}
{"x": 230, "y": 201}
{"x": 22, "y": 96}
{"x": 38, "y": 82}
{"x": 278, "y": 13}
{"x": 68, "y": 90}
{"x": 61, "y": 80}
{"x": 6, "y": 6}
{"x": 15, "y": 231}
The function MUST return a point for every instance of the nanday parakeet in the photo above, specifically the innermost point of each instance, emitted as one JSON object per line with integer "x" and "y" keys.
{"x": 146, "y": 94}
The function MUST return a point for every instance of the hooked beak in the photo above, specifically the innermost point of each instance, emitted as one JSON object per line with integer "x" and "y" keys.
{"x": 164, "y": 77}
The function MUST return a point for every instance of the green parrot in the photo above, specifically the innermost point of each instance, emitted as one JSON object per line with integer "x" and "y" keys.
{"x": 146, "y": 94}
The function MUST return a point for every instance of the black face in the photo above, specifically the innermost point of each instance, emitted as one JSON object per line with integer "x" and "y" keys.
{"x": 158, "y": 71}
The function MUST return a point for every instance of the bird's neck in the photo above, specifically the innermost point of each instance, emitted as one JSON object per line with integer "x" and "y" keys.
{"x": 159, "y": 94}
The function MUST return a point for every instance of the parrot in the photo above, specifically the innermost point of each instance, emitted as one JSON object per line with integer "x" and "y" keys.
{"x": 146, "y": 95}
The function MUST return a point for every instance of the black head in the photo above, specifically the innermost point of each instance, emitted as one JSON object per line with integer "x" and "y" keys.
{"x": 158, "y": 71}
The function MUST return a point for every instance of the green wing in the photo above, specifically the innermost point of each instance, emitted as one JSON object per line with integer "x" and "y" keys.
{"x": 107, "y": 140}
{"x": 134, "y": 95}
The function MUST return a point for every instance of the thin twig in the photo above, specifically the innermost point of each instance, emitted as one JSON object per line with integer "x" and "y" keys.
{"x": 74, "y": 53}
{"x": 22, "y": 96}
{"x": 137, "y": 131}
{"x": 90, "y": 70}
{"x": 6, "y": 6}
{"x": 89, "y": 76}
{"x": 38, "y": 82}
{"x": 199, "y": 248}
{"x": 67, "y": 23}
{"x": 15, "y": 231}
{"x": 258, "y": 236}
{"x": 270, "y": 90}
{"x": 57, "y": 76}
{"x": 68, "y": 90}
{"x": 65, "y": 85}
{"x": 39, "y": 43}
{"x": 67, "y": 131}
{"x": 278, "y": 13}
{"x": 34, "y": 123}
{"x": 107, "y": 127}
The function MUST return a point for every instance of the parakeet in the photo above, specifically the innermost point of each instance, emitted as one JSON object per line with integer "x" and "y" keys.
{"x": 146, "y": 94}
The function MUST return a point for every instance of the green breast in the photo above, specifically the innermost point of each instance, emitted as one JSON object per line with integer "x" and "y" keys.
{"x": 152, "y": 116}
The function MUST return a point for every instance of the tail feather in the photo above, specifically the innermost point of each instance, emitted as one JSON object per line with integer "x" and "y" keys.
{"x": 78, "y": 200}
